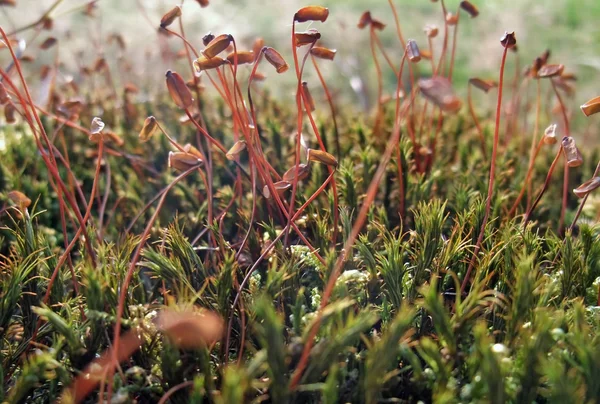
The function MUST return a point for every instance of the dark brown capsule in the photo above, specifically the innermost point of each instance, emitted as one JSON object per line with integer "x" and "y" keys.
{"x": 48, "y": 43}
{"x": 170, "y": 17}
{"x": 10, "y": 113}
{"x": 470, "y": 8}
{"x": 365, "y": 19}
{"x": 207, "y": 38}
{"x": 509, "y": 40}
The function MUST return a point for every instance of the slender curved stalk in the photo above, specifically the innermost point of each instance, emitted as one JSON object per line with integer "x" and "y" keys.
{"x": 358, "y": 224}
{"x": 544, "y": 187}
{"x": 488, "y": 203}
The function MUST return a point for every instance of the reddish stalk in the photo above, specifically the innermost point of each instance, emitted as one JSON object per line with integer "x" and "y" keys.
{"x": 131, "y": 269}
{"x": 488, "y": 203}
{"x": 360, "y": 220}
{"x": 544, "y": 188}
{"x": 533, "y": 156}
{"x": 267, "y": 250}
{"x": 49, "y": 159}
{"x": 538, "y": 104}
{"x": 565, "y": 190}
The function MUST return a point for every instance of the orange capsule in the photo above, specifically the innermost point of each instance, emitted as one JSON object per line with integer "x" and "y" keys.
{"x": 587, "y": 187}
{"x": 591, "y": 107}
{"x": 571, "y": 152}
{"x": 180, "y": 93}
{"x": 170, "y": 17}
{"x": 203, "y": 63}
{"x": 183, "y": 161}
{"x": 303, "y": 171}
{"x": 307, "y": 96}
{"x": 307, "y": 38}
{"x": 412, "y": 51}
{"x": 243, "y": 57}
{"x": 509, "y": 40}
{"x": 323, "y": 53}
{"x": 217, "y": 45}
{"x": 550, "y": 71}
{"x": 426, "y": 54}
{"x": 190, "y": 329}
{"x": 312, "y": 13}
{"x": 550, "y": 134}
{"x": 470, "y": 8}
{"x": 280, "y": 188}
{"x": 188, "y": 148}
{"x": 275, "y": 59}
{"x": 150, "y": 126}
{"x": 19, "y": 199}
{"x": 203, "y": 3}
{"x": 237, "y": 148}
{"x": 451, "y": 18}
{"x": 431, "y": 31}
{"x": 322, "y": 157}
{"x": 114, "y": 138}
{"x": 484, "y": 85}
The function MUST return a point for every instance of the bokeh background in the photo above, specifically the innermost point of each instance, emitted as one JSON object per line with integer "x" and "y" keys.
{"x": 569, "y": 28}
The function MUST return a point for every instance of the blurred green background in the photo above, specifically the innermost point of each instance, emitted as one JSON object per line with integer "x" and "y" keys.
{"x": 569, "y": 28}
